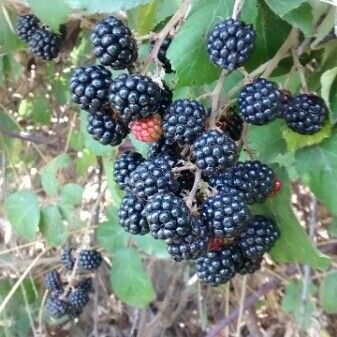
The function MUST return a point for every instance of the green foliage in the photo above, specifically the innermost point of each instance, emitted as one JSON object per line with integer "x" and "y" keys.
{"x": 328, "y": 92}
{"x": 8, "y": 39}
{"x": 328, "y": 293}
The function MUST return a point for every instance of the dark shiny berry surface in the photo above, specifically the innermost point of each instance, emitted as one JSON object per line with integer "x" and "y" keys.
{"x": 26, "y": 25}
{"x": 89, "y": 260}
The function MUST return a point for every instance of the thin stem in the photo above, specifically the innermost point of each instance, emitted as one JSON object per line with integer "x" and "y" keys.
{"x": 216, "y": 98}
{"x": 242, "y": 301}
{"x": 237, "y": 8}
{"x": 195, "y": 187}
{"x": 184, "y": 168}
{"x": 300, "y": 69}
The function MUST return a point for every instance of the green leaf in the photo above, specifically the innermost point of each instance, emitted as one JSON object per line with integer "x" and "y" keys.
{"x": 141, "y": 147}
{"x": 54, "y": 16}
{"x": 151, "y": 246}
{"x": 317, "y": 165}
{"x": 301, "y": 18}
{"x": 91, "y": 144}
{"x": 41, "y": 112}
{"x": 76, "y": 141}
{"x": 143, "y": 18}
{"x": 328, "y": 293}
{"x": 71, "y": 194}
{"x": 48, "y": 173}
{"x": 52, "y": 226}
{"x": 324, "y": 28}
{"x": 287, "y": 248}
{"x": 297, "y": 141}
{"x": 281, "y": 7}
{"x": 85, "y": 160}
{"x": 129, "y": 280}
{"x": 328, "y": 91}
{"x": 105, "y": 6}
{"x": 301, "y": 311}
{"x": 61, "y": 90}
{"x": 23, "y": 212}
{"x": 9, "y": 41}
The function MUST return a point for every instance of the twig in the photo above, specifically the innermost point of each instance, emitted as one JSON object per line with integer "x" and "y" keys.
{"x": 300, "y": 69}
{"x": 27, "y": 307}
{"x": 195, "y": 187}
{"x": 133, "y": 329}
{"x": 242, "y": 299}
{"x": 237, "y": 8}
{"x": 183, "y": 168}
{"x": 43, "y": 301}
{"x": 227, "y": 294}
{"x": 216, "y": 98}
{"x": 164, "y": 32}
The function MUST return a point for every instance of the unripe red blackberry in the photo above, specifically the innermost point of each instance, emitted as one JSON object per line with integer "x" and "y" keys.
{"x": 260, "y": 101}
{"x": 89, "y": 260}
{"x": 168, "y": 217}
{"x": 226, "y": 214}
{"x": 305, "y": 114}
{"x": 106, "y": 128}
{"x": 147, "y": 130}
{"x": 214, "y": 151}
{"x": 131, "y": 215}
{"x": 230, "y": 43}
{"x": 184, "y": 121}
{"x": 44, "y": 44}
{"x": 90, "y": 86}
{"x": 26, "y": 25}
{"x": 125, "y": 164}
{"x": 113, "y": 43}
{"x": 259, "y": 237}
{"x": 134, "y": 96}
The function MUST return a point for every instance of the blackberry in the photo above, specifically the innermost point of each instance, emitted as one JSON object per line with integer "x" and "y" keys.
{"x": 52, "y": 280}
{"x": 253, "y": 179}
{"x": 226, "y": 214}
{"x": 162, "y": 54}
{"x": 259, "y": 237}
{"x": 125, "y": 164}
{"x": 67, "y": 258}
{"x": 233, "y": 126}
{"x": 260, "y": 101}
{"x": 214, "y": 151}
{"x": 55, "y": 306}
{"x": 78, "y": 299}
{"x": 113, "y": 43}
{"x": 131, "y": 216}
{"x": 151, "y": 177}
{"x": 230, "y": 43}
{"x": 90, "y": 87}
{"x": 162, "y": 148}
{"x": 106, "y": 129}
{"x": 85, "y": 284}
{"x": 249, "y": 266}
{"x": 89, "y": 260}
{"x": 134, "y": 96}
{"x": 165, "y": 99}
{"x": 184, "y": 121}
{"x": 26, "y": 25}
{"x": 305, "y": 114}
{"x": 44, "y": 44}
{"x": 219, "y": 267}
{"x": 192, "y": 245}
{"x": 168, "y": 217}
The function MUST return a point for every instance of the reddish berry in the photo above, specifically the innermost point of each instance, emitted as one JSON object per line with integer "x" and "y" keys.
{"x": 277, "y": 188}
{"x": 147, "y": 130}
{"x": 215, "y": 243}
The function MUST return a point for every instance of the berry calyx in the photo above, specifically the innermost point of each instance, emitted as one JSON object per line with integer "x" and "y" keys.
{"x": 147, "y": 130}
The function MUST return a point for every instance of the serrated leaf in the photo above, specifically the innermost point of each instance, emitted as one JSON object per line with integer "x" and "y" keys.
{"x": 281, "y": 7}
{"x": 317, "y": 165}
{"x": 328, "y": 293}
{"x": 42, "y": 9}
{"x": 287, "y": 248}
{"x": 71, "y": 194}
{"x": 328, "y": 91}
{"x": 48, "y": 173}
{"x": 301, "y": 18}
{"x": 297, "y": 141}
{"x": 91, "y": 144}
{"x": 143, "y": 18}
{"x": 23, "y": 212}
{"x": 52, "y": 226}
{"x": 151, "y": 246}
{"x": 129, "y": 280}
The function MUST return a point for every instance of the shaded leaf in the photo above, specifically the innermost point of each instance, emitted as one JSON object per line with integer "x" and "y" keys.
{"x": 328, "y": 91}
{"x": 71, "y": 194}
{"x": 151, "y": 246}
{"x": 328, "y": 293}
{"x": 301, "y": 18}
{"x": 281, "y": 7}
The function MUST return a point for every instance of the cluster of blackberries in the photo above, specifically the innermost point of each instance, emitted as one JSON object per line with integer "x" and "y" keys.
{"x": 41, "y": 41}
{"x": 70, "y": 300}
{"x": 129, "y": 102}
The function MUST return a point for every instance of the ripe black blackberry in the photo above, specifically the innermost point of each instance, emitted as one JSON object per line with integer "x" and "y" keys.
{"x": 259, "y": 237}
{"x": 125, "y": 164}
{"x": 184, "y": 121}
{"x": 151, "y": 177}
{"x": 162, "y": 148}
{"x": 52, "y": 280}
{"x": 253, "y": 179}
{"x": 89, "y": 260}
{"x": 131, "y": 215}
{"x": 219, "y": 267}
{"x": 78, "y": 299}
{"x": 113, "y": 43}
{"x": 214, "y": 151}
{"x": 168, "y": 217}
{"x": 67, "y": 258}
{"x": 134, "y": 96}
{"x": 260, "y": 101}
{"x": 26, "y": 25}
{"x": 305, "y": 114}
{"x": 165, "y": 99}
{"x": 192, "y": 245}
{"x": 55, "y": 306}
{"x": 162, "y": 54}
{"x": 85, "y": 284}
{"x": 249, "y": 266}
{"x": 233, "y": 125}
{"x": 230, "y": 43}
{"x": 90, "y": 87}
{"x": 44, "y": 44}
{"x": 226, "y": 214}
{"x": 106, "y": 128}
